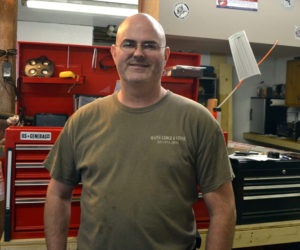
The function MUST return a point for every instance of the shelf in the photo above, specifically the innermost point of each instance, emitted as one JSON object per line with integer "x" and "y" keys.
{"x": 208, "y": 78}
{"x": 273, "y": 140}
{"x": 262, "y": 234}
{"x": 50, "y": 80}
{"x": 34, "y": 244}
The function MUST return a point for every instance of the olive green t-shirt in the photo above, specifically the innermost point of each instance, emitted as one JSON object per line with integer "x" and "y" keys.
{"x": 139, "y": 170}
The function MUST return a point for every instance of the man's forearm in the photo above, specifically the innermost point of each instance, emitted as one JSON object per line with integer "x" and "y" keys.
{"x": 221, "y": 232}
{"x": 56, "y": 221}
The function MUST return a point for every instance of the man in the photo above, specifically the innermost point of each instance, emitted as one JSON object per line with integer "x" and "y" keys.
{"x": 140, "y": 154}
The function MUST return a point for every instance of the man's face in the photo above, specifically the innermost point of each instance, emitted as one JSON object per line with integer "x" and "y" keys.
{"x": 140, "y": 54}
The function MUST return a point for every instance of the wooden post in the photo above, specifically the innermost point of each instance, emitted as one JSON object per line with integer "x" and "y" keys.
{"x": 8, "y": 40}
{"x": 224, "y": 75}
{"x": 149, "y": 7}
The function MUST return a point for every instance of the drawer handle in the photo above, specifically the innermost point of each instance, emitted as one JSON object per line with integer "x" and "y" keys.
{"x": 30, "y": 200}
{"x": 33, "y": 147}
{"x": 31, "y": 183}
{"x": 38, "y": 200}
{"x": 271, "y": 186}
{"x": 272, "y": 178}
{"x": 283, "y": 171}
{"x": 23, "y": 165}
{"x": 270, "y": 196}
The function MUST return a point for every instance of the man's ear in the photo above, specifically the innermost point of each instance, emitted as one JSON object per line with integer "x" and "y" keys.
{"x": 113, "y": 51}
{"x": 167, "y": 54}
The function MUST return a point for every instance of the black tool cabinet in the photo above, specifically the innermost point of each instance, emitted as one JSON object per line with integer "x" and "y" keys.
{"x": 266, "y": 191}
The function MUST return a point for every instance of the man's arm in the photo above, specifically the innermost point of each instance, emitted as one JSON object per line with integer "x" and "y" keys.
{"x": 57, "y": 214}
{"x": 221, "y": 208}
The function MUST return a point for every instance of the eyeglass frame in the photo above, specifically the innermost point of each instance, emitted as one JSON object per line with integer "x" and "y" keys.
{"x": 142, "y": 45}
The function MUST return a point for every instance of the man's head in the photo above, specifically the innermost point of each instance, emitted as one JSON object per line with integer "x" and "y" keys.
{"x": 140, "y": 53}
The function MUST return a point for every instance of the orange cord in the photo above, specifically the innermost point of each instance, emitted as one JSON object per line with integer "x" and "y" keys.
{"x": 239, "y": 84}
{"x": 266, "y": 55}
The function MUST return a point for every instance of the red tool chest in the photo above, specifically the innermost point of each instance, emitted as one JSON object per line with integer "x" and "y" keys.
{"x": 27, "y": 146}
{"x": 27, "y": 181}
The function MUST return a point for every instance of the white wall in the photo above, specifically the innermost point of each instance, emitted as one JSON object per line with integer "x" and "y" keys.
{"x": 273, "y": 71}
{"x": 54, "y": 33}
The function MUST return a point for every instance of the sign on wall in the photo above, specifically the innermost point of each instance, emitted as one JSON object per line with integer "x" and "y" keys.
{"x": 251, "y": 5}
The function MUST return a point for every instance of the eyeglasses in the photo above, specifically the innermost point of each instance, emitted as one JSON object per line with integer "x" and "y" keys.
{"x": 147, "y": 47}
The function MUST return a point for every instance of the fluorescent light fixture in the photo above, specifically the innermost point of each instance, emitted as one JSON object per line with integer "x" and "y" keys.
{"x": 94, "y": 8}
{"x": 134, "y": 2}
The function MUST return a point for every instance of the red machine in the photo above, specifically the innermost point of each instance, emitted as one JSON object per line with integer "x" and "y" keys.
{"x": 27, "y": 146}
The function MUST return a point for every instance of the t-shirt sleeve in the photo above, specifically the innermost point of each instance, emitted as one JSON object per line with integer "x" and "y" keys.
{"x": 61, "y": 159}
{"x": 213, "y": 166}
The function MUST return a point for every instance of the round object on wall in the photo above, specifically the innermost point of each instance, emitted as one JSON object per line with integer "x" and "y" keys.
{"x": 39, "y": 67}
{"x": 181, "y": 10}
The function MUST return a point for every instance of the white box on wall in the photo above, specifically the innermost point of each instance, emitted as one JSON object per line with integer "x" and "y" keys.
{"x": 54, "y": 33}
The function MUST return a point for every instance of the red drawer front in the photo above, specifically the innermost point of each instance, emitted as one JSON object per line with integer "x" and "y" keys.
{"x": 28, "y": 221}
{"x": 201, "y": 214}
{"x": 31, "y": 170}
{"x": 31, "y": 155}
{"x": 32, "y": 152}
{"x": 37, "y": 188}
{"x": 29, "y": 218}
{"x": 29, "y": 189}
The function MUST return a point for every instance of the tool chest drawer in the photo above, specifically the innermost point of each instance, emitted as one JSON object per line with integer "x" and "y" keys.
{"x": 31, "y": 152}
{"x": 266, "y": 191}
{"x": 31, "y": 170}
{"x": 28, "y": 217}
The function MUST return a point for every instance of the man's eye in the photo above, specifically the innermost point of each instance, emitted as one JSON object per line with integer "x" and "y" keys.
{"x": 150, "y": 46}
{"x": 128, "y": 45}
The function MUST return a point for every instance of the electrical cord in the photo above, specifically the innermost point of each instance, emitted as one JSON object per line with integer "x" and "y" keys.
{"x": 240, "y": 83}
{"x": 8, "y": 52}
{"x": 2, "y": 52}
{"x": 11, "y": 52}
{"x": 11, "y": 83}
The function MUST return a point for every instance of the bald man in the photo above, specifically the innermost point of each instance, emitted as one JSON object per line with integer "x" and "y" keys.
{"x": 140, "y": 155}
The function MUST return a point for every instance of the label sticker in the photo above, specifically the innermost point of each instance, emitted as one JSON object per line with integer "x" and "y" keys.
{"x": 251, "y": 5}
{"x": 35, "y": 136}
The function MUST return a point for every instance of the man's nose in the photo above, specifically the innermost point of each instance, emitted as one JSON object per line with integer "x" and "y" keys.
{"x": 139, "y": 50}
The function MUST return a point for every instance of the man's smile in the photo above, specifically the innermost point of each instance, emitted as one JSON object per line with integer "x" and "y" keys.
{"x": 138, "y": 65}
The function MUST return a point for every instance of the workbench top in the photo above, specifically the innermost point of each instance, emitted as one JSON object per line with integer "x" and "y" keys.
{"x": 273, "y": 140}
